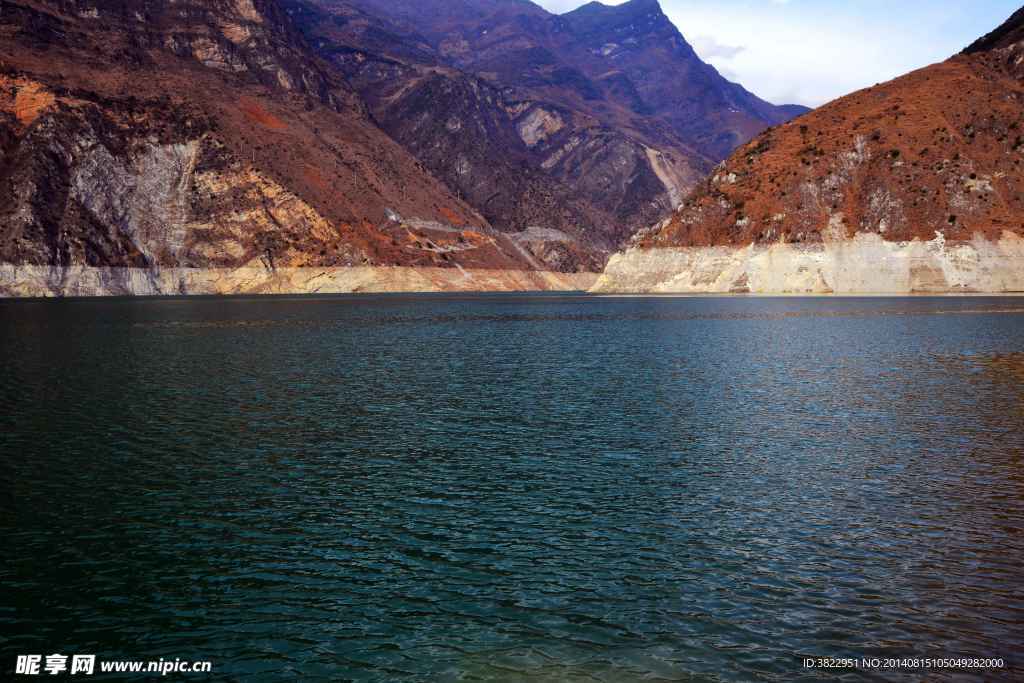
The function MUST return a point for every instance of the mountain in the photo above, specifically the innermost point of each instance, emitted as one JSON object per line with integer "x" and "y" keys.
{"x": 203, "y": 147}
{"x": 208, "y": 146}
{"x": 636, "y": 55}
{"x": 533, "y": 118}
{"x": 626, "y": 64}
{"x": 914, "y": 185}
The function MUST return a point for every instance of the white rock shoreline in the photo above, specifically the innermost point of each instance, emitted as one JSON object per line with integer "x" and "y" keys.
{"x": 83, "y": 281}
{"x": 864, "y": 265}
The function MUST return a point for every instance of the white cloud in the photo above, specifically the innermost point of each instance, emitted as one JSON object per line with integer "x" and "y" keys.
{"x": 812, "y": 51}
{"x": 806, "y": 58}
{"x": 708, "y": 47}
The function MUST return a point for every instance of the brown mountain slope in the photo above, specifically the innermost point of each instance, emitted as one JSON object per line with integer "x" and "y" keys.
{"x": 913, "y": 185}
{"x": 143, "y": 140}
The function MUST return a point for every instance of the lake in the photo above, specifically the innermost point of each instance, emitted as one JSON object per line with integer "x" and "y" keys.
{"x": 514, "y": 488}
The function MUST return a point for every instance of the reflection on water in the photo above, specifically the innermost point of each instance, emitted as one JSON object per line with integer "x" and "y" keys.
{"x": 514, "y": 488}
{"x": 1010, "y": 365}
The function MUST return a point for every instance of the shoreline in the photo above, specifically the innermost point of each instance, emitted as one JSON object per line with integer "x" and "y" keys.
{"x": 864, "y": 265}
{"x": 47, "y": 282}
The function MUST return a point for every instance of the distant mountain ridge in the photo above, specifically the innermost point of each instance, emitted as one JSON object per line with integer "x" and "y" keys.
{"x": 629, "y": 55}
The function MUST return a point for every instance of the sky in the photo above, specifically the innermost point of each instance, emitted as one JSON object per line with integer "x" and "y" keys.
{"x": 813, "y": 51}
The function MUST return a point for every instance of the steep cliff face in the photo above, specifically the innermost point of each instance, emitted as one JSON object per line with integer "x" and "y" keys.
{"x": 913, "y": 185}
{"x": 177, "y": 136}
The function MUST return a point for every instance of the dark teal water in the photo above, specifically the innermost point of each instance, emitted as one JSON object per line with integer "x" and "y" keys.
{"x": 514, "y": 488}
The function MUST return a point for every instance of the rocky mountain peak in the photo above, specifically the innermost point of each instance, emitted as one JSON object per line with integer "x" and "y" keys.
{"x": 632, "y": 7}
{"x": 636, "y": 18}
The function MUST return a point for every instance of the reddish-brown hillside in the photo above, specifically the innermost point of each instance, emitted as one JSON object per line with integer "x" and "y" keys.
{"x": 205, "y": 135}
{"x": 937, "y": 150}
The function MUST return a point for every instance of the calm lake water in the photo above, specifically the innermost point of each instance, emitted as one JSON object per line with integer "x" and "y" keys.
{"x": 514, "y": 488}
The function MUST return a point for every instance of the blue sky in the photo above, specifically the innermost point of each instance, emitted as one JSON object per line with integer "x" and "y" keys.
{"x": 812, "y": 51}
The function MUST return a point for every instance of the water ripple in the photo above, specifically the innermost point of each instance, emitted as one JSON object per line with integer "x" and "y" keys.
{"x": 514, "y": 488}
